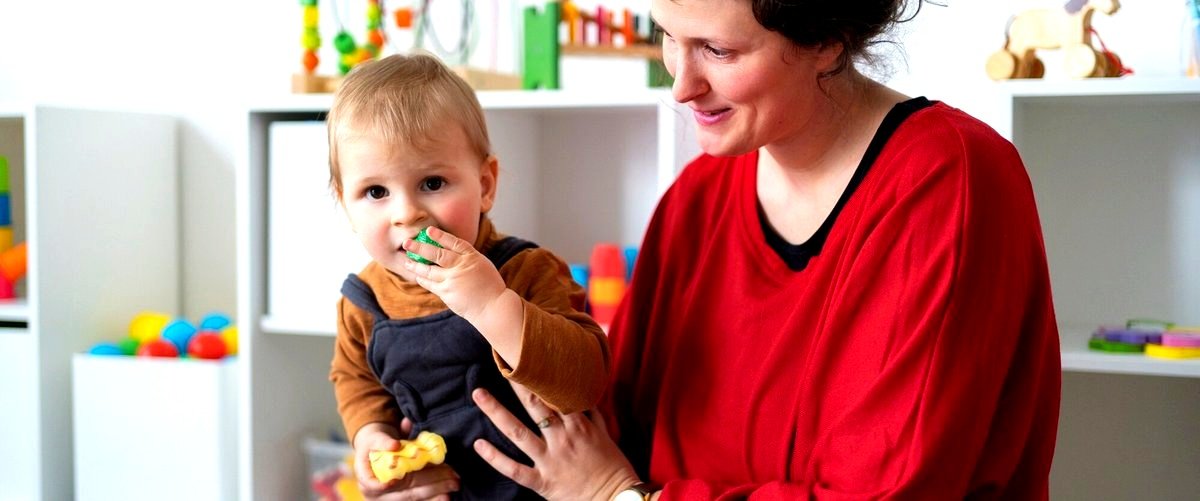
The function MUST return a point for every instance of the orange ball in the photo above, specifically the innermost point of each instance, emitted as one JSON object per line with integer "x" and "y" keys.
{"x": 310, "y": 61}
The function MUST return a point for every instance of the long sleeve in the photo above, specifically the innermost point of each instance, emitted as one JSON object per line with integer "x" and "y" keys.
{"x": 360, "y": 397}
{"x": 564, "y": 353}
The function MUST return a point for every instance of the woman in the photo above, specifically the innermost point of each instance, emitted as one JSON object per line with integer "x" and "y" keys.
{"x": 845, "y": 297}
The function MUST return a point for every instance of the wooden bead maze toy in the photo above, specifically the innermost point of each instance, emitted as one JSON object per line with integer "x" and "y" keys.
{"x": 351, "y": 52}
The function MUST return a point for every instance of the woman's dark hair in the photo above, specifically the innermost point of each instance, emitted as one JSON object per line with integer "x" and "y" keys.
{"x": 855, "y": 25}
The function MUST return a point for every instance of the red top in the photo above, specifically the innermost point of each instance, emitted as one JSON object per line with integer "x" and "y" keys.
{"x": 915, "y": 356}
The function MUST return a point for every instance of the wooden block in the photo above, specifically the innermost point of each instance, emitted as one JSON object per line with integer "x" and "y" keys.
{"x": 314, "y": 84}
{"x": 488, "y": 80}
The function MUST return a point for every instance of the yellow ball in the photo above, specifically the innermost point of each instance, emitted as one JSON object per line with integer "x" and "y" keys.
{"x": 230, "y": 336}
{"x": 147, "y": 326}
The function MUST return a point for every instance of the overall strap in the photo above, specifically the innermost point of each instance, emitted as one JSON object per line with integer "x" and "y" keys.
{"x": 506, "y": 248}
{"x": 359, "y": 293}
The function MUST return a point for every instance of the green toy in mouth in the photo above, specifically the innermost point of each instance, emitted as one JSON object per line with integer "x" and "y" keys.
{"x": 423, "y": 237}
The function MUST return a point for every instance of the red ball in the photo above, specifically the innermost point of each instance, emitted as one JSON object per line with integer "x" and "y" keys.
{"x": 158, "y": 348}
{"x": 207, "y": 344}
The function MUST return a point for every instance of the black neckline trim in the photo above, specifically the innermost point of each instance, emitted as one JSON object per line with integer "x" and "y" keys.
{"x": 797, "y": 256}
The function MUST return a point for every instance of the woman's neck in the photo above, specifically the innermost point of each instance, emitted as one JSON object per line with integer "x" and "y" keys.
{"x": 801, "y": 177}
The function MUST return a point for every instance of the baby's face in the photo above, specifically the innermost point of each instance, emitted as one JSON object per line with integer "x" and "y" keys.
{"x": 391, "y": 192}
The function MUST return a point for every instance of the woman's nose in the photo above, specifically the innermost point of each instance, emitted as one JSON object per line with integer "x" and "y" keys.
{"x": 689, "y": 80}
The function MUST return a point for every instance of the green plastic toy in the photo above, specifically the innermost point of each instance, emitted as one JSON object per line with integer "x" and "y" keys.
{"x": 423, "y": 237}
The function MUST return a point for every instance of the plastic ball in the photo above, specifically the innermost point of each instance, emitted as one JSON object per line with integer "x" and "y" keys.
{"x": 158, "y": 348}
{"x": 230, "y": 336}
{"x": 148, "y": 326}
{"x": 215, "y": 321}
{"x": 207, "y": 345}
{"x": 129, "y": 346}
{"x": 308, "y": 3}
{"x": 344, "y": 43}
{"x": 343, "y": 68}
{"x": 106, "y": 349}
{"x": 179, "y": 332}
{"x": 373, "y": 13}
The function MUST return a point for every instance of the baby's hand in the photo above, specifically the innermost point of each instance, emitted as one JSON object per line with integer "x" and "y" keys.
{"x": 427, "y": 448}
{"x": 372, "y": 437}
{"x": 464, "y": 279}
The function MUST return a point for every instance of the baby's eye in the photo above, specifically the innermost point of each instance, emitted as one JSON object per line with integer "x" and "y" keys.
{"x": 376, "y": 192}
{"x": 433, "y": 183}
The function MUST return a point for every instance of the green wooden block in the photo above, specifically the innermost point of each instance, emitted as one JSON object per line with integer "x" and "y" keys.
{"x": 4, "y": 175}
{"x": 541, "y": 47}
{"x": 657, "y": 75}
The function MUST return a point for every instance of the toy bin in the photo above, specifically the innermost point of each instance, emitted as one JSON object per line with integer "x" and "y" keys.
{"x": 154, "y": 428}
{"x": 329, "y": 475}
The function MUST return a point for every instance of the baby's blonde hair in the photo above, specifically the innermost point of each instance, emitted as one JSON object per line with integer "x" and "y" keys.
{"x": 404, "y": 101}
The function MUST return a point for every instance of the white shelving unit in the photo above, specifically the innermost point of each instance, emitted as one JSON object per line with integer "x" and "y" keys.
{"x": 94, "y": 193}
{"x": 576, "y": 169}
{"x": 1115, "y": 166}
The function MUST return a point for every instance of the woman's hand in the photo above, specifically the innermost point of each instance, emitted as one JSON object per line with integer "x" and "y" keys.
{"x": 431, "y": 482}
{"x": 573, "y": 459}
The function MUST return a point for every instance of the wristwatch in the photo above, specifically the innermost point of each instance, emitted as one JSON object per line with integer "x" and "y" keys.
{"x": 640, "y": 491}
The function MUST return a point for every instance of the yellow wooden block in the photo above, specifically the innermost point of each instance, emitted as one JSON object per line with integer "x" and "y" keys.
{"x": 6, "y": 238}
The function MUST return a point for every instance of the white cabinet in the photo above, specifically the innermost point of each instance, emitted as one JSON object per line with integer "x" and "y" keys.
{"x": 1115, "y": 166}
{"x": 575, "y": 169}
{"x": 144, "y": 427}
{"x": 95, "y": 196}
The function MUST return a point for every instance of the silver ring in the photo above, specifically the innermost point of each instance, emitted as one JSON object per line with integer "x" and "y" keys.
{"x": 545, "y": 422}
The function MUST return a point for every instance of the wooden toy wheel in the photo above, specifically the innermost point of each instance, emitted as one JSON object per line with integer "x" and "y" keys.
{"x": 1036, "y": 68}
{"x": 1081, "y": 61}
{"x": 1002, "y": 65}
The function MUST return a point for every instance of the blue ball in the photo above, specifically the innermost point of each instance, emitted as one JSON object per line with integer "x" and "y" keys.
{"x": 106, "y": 349}
{"x": 215, "y": 322}
{"x": 179, "y": 332}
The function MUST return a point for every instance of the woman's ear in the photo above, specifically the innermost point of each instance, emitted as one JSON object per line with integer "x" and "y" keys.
{"x": 488, "y": 175}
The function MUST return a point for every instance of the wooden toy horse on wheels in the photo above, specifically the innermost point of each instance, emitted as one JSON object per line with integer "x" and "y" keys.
{"x": 1069, "y": 29}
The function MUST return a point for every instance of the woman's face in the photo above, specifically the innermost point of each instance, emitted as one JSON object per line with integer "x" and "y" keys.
{"x": 747, "y": 87}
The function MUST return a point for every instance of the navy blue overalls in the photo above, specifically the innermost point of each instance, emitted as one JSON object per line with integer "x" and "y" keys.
{"x": 431, "y": 364}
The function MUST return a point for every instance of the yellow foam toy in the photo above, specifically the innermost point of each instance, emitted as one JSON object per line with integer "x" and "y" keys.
{"x": 413, "y": 455}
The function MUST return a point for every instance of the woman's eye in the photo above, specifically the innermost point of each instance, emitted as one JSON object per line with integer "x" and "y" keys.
{"x": 717, "y": 52}
{"x": 433, "y": 184}
{"x": 376, "y": 192}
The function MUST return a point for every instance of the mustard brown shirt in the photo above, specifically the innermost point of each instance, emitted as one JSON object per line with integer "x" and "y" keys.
{"x": 564, "y": 353}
